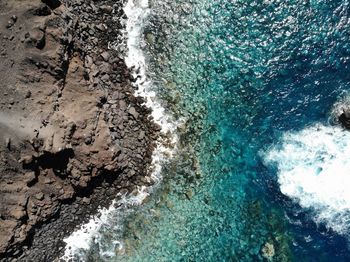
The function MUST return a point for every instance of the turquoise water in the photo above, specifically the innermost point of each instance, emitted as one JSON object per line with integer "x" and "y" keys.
{"x": 243, "y": 74}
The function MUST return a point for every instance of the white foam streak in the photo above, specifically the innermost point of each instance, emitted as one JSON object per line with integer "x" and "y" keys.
{"x": 137, "y": 12}
{"x": 314, "y": 169}
{"x": 81, "y": 239}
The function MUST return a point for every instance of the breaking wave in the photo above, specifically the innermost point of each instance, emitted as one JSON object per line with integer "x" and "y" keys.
{"x": 314, "y": 170}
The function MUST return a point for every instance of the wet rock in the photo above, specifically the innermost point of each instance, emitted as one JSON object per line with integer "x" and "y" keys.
{"x": 169, "y": 204}
{"x": 268, "y": 251}
{"x": 150, "y": 38}
{"x": 104, "y": 68}
{"x": 344, "y": 118}
{"x": 189, "y": 194}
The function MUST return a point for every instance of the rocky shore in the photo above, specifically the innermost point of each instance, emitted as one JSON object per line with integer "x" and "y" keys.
{"x": 73, "y": 134}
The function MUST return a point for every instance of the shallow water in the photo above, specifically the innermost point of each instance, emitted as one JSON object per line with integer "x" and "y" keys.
{"x": 259, "y": 165}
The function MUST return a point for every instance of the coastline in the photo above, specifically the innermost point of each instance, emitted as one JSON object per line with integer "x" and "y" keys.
{"x": 80, "y": 241}
{"x": 124, "y": 125}
{"x": 143, "y": 130}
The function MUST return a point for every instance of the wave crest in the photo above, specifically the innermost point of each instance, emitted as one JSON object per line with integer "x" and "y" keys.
{"x": 314, "y": 169}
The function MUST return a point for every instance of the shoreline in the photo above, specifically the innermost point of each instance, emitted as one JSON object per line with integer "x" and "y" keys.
{"x": 80, "y": 241}
{"x": 120, "y": 117}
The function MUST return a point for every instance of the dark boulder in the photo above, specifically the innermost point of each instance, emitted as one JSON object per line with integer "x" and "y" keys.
{"x": 344, "y": 118}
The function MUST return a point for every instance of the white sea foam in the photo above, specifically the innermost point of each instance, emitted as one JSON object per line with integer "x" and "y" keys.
{"x": 137, "y": 12}
{"x": 339, "y": 107}
{"x": 314, "y": 170}
{"x": 80, "y": 240}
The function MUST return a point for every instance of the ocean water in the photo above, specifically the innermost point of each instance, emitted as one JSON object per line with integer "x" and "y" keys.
{"x": 261, "y": 171}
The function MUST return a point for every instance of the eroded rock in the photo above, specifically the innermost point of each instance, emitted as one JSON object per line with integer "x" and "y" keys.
{"x": 77, "y": 135}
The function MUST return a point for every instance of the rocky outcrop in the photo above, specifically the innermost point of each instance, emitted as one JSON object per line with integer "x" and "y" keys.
{"x": 344, "y": 118}
{"x": 73, "y": 134}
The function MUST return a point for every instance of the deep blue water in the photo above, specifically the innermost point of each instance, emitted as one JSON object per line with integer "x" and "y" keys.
{"x": 243, "y": 73}
{"x": 298, "y": 89}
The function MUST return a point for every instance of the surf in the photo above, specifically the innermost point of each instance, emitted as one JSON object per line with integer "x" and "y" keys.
{"x": 111, "y": 219}
{"x": 313, "y": 169}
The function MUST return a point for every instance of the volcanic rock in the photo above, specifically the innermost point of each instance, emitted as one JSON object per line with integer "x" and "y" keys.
{"x": 344, "y": 118}
{"x": 69, "y": 121}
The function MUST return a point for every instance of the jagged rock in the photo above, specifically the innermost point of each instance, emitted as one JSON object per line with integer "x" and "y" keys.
{"x": 344, "y": 118}
{"x": 72, "y": 146}
{"x": 105, "y": 55}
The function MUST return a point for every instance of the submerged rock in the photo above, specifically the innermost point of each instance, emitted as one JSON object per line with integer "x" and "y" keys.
{"x": 268, "y": 251}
